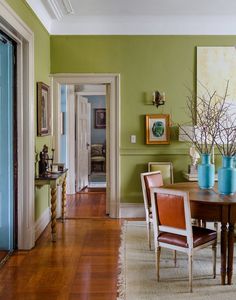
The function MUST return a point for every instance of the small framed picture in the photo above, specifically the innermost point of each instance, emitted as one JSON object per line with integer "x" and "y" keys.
{"x": 100, "y": 118}
{"x": 44, "y": 109}
{"x": 157, "y": 129}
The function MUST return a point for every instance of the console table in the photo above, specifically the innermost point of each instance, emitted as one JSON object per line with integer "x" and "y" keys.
{"x": 54, "y": 180}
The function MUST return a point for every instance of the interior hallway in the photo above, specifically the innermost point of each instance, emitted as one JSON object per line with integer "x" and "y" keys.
{"x": 81, "y": 265}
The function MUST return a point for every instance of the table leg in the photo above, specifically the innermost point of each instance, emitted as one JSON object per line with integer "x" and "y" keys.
{"x": 63, "y": 202}
{"x": 230, "y": 253}
{"x": 223, "y": 252}
{"x": 53, "y": 213}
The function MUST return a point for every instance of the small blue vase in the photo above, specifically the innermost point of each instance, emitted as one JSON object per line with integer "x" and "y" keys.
{"x": 206, "y": 172}
{"x": 227, "y": 176}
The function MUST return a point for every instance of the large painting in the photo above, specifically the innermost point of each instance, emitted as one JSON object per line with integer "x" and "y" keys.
{"x": 216, "y": 66}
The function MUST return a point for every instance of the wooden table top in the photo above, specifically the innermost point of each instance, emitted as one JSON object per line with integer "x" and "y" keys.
{"x": 210, "y": 196}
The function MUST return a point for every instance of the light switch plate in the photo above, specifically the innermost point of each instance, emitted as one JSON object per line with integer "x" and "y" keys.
{"x": 133, "y": 139}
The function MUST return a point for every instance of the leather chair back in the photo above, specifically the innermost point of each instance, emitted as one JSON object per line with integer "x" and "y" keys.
{"x": 170, "y": 209}
{"x": 152, "y": 180}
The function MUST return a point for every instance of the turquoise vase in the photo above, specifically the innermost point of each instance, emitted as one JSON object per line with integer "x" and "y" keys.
{"x": 227, "y": 176}
{"x": 206, "y": 172}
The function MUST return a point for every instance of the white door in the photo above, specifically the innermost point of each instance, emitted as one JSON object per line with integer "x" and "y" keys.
{"x": 82, "y": 142}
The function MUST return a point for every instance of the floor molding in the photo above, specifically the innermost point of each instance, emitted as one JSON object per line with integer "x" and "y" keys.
{"x": 132, "y": 210}
{"x": 42, "y": 222}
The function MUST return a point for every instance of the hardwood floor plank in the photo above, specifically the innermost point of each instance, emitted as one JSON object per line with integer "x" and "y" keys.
{"x": 82, "y": 264}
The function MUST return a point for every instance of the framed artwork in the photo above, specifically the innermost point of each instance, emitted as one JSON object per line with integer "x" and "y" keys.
{"x": 100, "y": 118}
{"x": 216, "y": 66}
{"x": 157, "y": 129}
{"x": 44, "y": 109}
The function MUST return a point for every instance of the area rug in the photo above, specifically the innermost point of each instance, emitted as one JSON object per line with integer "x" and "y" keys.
{"x": 137, "y": 276}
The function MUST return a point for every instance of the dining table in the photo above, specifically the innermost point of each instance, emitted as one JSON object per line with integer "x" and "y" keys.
{"x": 210, "y": 206}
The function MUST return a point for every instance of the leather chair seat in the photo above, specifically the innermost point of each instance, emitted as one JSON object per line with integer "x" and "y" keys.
{"x": 200, "y": 236}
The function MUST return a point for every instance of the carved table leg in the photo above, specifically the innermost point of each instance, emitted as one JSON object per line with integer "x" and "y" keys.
{"x": 63, "y": 202}
{"x": 230, "y": 253}
{"x": 223, "y": 252}
{"x": 53, "y": 213}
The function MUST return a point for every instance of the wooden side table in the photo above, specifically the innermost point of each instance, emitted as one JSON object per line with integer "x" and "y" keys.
{"x": 54, "y": 180}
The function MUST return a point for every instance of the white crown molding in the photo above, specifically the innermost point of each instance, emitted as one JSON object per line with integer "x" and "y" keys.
{"x": 186, "y": 24}
{"x": 41, "y": 12}
{"x": 55, "y": 8}
{"x": 145, "y": 25}
{"x": 68, "y": 7}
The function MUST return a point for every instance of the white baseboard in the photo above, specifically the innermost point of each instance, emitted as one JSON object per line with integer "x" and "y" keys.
{"x": 42, "y": 222}
{"x": 132, "y": 210}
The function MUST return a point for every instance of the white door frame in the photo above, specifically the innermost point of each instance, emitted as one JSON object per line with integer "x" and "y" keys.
{"x": 113, "y": 184}
{"x": 24, "y": 38}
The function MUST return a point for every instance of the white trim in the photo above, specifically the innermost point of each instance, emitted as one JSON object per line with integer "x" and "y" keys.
{"x": 25, "y": 105}
{"x": 42, "y": 222}
{"x": 132, "y": 210}
{"x": 145, "y": 25}
{"x": 91, "y": 93}
{"x": 70, "y": 139}
{"x": 114, "y": 139}
{"x": 55, "y": 8}
{"x": 41, "y": 12}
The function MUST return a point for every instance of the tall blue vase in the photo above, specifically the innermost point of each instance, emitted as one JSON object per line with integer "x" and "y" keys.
{"x": 206, "y": 172}
{"x": 227, "y": 176}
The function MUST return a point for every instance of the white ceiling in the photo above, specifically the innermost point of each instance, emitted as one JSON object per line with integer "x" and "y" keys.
{"x": 137, "y": 16}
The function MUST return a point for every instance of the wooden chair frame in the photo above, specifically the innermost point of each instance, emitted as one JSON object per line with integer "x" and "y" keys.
{"x": 190, "y": 250}
{"x": 146, "y": 206}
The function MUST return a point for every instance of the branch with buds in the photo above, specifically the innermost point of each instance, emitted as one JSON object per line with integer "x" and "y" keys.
{"x": 206, "y": 112}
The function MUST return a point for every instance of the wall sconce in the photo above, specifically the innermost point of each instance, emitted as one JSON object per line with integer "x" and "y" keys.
{"x": 158, "y": 98}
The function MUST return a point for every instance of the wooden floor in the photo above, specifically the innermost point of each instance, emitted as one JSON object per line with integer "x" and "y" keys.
{"x": 81, "y": 265}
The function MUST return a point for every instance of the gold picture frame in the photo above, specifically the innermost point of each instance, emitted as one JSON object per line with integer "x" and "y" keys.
{"x": 157, "y": 129}
{"x": 44, "y": 109}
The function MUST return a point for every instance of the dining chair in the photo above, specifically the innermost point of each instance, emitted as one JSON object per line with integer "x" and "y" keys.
{"x": 173, "y": 228}
{"x": 148, "y": 180}
{"x": 166, "y": 169}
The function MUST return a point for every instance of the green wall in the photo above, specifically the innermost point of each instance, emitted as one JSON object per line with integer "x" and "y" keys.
{"x": 145, "y": 63}
{"x": 42, "y": 71}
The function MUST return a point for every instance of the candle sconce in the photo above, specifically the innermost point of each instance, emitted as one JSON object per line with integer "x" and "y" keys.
{"x": 158, "y": 98}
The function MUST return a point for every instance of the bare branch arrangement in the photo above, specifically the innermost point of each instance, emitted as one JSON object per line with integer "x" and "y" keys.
{"x": 226, "y": 138}
{"x": 206, "y": 113}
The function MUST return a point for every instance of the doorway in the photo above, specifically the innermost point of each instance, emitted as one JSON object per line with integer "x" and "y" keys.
{"x": 91, "y": 111}
{"x": 8, "y": 141}
{"x": 112, "y": 83}
{"x": 18, "y": 31}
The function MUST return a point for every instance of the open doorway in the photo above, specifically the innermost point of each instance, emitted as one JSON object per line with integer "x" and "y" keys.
{"x": 91, "y": 106}
{"x": 89, "y": 115}
{"x": 111, "y": 83}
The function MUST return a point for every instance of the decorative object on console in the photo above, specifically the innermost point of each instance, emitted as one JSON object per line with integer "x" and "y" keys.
{"x": 44, "y": 109}
{"x": 157, "y": 129}
{"x": 183, "y": 137}
{"x": 44, "y": 161}
{"x": 58, "y": 167}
